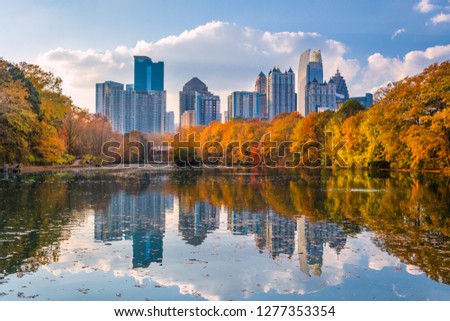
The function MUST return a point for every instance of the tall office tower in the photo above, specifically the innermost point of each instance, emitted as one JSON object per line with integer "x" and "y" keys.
{"x": 309, "y": 68}
{"x": 207, "y": 108}
{"x": 148, "y": 75}
{"x": 301, "y": 82}
{"x": 261, "y": 89}
{"x": 103, "y": 97}
{"x": 341, "y": 89}
{"x": 320, "y": 97}
{"x": 341, "y": 85}
{"x": 243, "y": 104}
{"x": 170, "y": 122}
{"x": 280, "y": 92}
{"x": 315, "y": 68}
{"x": 141, "y": 106}
{"x": 187, "y": 95}
{"x": 150, "y": 111}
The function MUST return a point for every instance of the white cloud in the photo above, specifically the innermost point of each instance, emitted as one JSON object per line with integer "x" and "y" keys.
{"x": 425, "y": 6}
{"x": 440, "y": 18}
{"x": 397, "y": 32}
{"x": 381, "y": 70}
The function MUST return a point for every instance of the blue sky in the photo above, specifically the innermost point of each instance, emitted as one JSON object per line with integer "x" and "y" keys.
{"x": 224, "y": 43}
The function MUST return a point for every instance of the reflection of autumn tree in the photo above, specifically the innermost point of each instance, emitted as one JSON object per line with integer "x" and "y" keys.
{"x": 40, "y": 209}
{"x": 408, "y": 214}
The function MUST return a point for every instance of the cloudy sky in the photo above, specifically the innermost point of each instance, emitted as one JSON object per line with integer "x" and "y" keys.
{"x": 224, "y": 43}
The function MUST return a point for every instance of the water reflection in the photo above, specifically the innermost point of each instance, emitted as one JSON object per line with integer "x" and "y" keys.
{"x": 140, "y": 218}
{"x": 301, "y": 225}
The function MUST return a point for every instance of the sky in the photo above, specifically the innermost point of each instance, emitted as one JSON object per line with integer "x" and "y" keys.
{"x": 224, "y": 43}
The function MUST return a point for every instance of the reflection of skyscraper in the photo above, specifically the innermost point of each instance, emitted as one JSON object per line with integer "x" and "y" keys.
{"x": 311, "y": 238}
{"x": 138, "y": 217}
{"x": 272, "y": 231}
{"x": 195, "y": 223}
{"x": 280, "y": 233}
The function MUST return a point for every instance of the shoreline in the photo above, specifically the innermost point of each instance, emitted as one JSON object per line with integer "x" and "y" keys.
{"x": 171, "y": 167}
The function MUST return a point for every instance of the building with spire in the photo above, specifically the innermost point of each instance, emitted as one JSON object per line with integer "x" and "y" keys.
{"x": 313, "y": 94}
{"x": 261, "y": 89}
{"x": 280, "y": 92}
{"x": 341, "y": 88}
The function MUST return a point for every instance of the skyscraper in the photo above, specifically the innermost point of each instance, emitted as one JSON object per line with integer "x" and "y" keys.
{"x": 320, "y": 97}
{"x": 280, "y": 92}
{"x": 261, "y": 89}
{"x": 104, "y": 97}
{"x": 341, "y": 85}
{"x": 170, "y": 122}
{"x": 148, "y": 75}
{"x": 187, "y": 95}
{"x": 341, "y": 88}
{"x": 207, "y": 108}
{"x": 309, "y": 68}
{"x": 141, "y": 106}
{"x": 243, "y": 104}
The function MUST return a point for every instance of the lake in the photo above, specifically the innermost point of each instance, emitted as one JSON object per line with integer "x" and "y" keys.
{"x": 224, "y": 234}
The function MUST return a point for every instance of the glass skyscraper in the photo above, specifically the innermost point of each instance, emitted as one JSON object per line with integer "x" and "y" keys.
{"x": 142, "y": 105}
{"x": 148, "y": 75}
{"x": 310, "y": 69}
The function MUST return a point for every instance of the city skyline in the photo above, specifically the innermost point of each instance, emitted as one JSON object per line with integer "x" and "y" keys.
{"x": 224, "y": 49}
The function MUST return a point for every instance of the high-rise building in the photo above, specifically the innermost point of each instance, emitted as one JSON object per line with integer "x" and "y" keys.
{"x": 341, "y": 85}
{"x": 170, "y": 122}
{"x": 104, "y": 97}
{"x": 341, "y": 88}
{"x": 309, "y": 69}
{"x": 142, "y": 106}
{"x": 207, "y": 108}
{"x": 150, "y": 111}
{"x": 301, "y": 82}
{"x": 320, "y": 97}
{"x": 187, "y": 95}
{"x": 243, "y": 104}
{"x": 314, "y": 94}
{"x": 261, "y": 89}
{"x": 187, "y": 119}
{"x": 366, "y": 100}
{"x": 148, "y": 75}
{"x": 280, "y": 92}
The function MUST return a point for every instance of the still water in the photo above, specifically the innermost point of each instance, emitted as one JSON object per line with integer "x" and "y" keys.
{"x": 224, "y": 235}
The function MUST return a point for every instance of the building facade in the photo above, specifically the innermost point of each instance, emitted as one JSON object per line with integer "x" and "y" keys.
{"x": 104, "y": 96}
{"x": 280, "y": 92}
{"x": 148, "y": 75}
{"x": 207, "y": 108}
{"x": 170, "y": 122}
{"x": 187, "y": 95}
{"x": 188, "y": 119}
{"x": 141, "y": 106}
{"x": 366, "y": 100}
{"x": 243, "y": 104}
{"x": 261, "y": 89}
{"x": 310, "y": 68}
{"x": 320, "y": 97}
